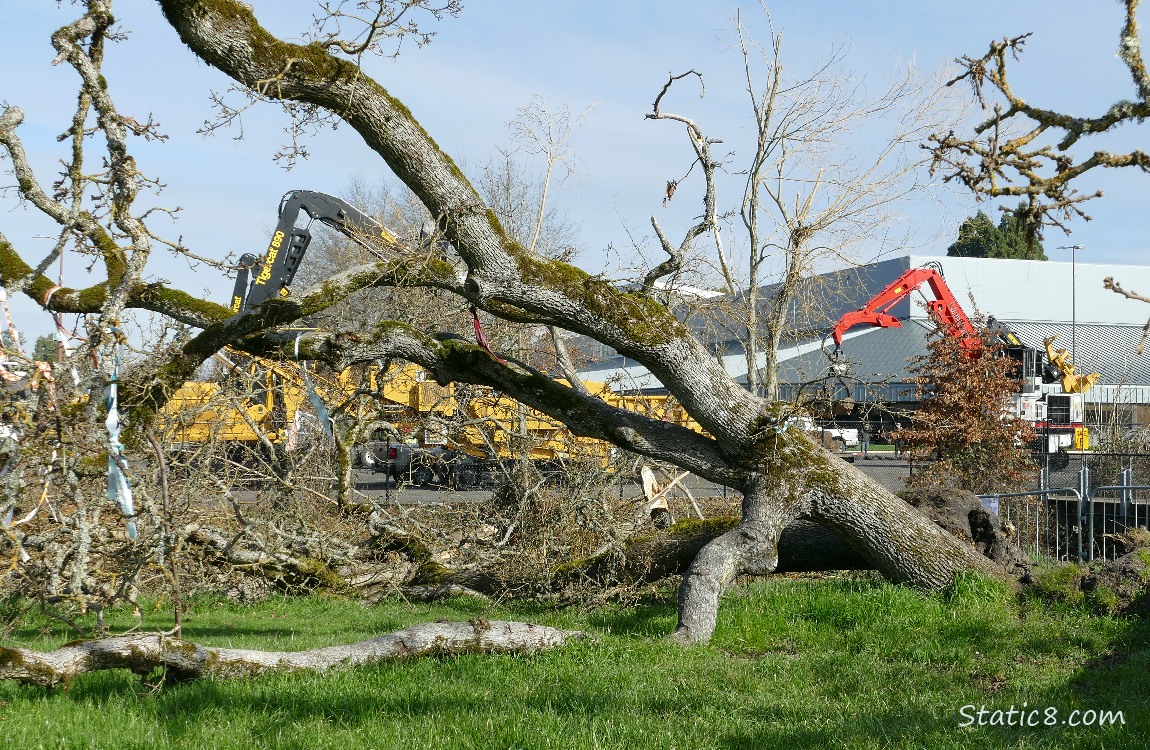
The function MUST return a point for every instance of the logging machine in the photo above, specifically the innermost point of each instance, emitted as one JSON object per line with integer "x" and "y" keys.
{"x": 1056, "y": 416}
{"x": 271, "y": 276}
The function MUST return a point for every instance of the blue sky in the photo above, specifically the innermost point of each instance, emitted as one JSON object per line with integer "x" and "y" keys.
{"x": 489, "y": 62}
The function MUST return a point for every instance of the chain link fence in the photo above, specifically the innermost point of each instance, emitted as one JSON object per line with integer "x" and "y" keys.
{"x": 1082, "y": 505}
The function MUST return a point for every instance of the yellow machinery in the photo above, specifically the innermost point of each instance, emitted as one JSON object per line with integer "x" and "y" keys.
{"x": 1071, "y": 381}
{"x": 497, "y": 424}
{"x": 247, "y": 405}
{"x": 263, "y": 400}
{"x": 485, "y": 424}
{"x": 259, "y": 400}
{"x": 267, "y": 397}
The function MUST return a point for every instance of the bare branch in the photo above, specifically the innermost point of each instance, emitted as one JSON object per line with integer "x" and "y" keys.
{"x": 709, "y": 221}
{"x": 143, "y": 653}
{"x": 990, "y": 164}
{"x": 1112, "y": 285}
{"x": 566, "y": 364}
{"x": 670, "y": 266}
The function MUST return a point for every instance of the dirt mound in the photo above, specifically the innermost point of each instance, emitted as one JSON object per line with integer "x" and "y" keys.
{"x": 1119, "y": 586}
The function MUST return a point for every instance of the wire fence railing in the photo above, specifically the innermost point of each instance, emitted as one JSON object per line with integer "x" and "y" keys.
{"x": 1045, "y": 523}
{"x": 1080, "y": 511}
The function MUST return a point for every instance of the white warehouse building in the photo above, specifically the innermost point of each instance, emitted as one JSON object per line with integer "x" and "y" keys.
{"x": 1102, "y": 329}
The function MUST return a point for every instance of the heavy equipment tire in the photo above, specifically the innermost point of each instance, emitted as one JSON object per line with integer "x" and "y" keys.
{"x": 466, "y": 478}
{"x": 422, "y": 475}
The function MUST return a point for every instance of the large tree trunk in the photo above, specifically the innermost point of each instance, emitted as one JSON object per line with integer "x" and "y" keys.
{"x": 901, "y": 542}
{"x": 144, "y": 652}
{"x": 647, "y": 557}
{"x": 748, "y": 444}
{"x": 799, "y": 477}
{"x": 656, "y": 555}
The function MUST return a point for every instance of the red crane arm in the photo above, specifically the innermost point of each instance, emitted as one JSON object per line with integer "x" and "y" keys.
{"x": 945, "y": 306}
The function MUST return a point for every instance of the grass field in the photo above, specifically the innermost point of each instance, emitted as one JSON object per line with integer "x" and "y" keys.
{"x": 846, "y": 662}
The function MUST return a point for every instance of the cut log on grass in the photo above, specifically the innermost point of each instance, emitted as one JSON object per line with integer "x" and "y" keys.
{"x": 143, "y": 653}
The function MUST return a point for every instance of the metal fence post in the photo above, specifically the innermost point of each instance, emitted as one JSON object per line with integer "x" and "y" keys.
{"x": 1084, "y": 491}
{"x": 387, "y": 475}
{"x": 1119, "y": 488}
{"x": 1126, "y": 479}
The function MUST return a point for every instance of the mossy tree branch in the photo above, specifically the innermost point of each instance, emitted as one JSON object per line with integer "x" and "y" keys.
{"x": 174, "y": 303}
{"x": 249, "y": 332}
{"x": 70, "y": 219}
{"x": 227, "y": 35}
{"x": 585, "y": 414}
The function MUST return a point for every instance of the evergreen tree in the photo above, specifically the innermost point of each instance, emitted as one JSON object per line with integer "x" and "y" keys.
{"x": 46, "y": 349}
{"x": 978, "y": 237}
{"x": 7, "y": 342}
{"x": 1012, "y": 230}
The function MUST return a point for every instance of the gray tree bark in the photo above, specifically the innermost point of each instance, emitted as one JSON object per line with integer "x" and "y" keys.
{"x": 143, "y": 653}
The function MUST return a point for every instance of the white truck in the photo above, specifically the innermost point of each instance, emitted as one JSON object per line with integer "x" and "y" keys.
{"x": 836, "y": 438}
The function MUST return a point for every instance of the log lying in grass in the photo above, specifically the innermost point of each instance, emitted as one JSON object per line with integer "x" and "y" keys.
{"x": 143, "y": 653}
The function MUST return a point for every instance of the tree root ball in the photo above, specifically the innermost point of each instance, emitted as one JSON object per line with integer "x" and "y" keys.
{"x": 961, "y": 513}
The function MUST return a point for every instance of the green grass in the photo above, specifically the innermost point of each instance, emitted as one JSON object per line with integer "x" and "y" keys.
{"x": 849, "y": 663}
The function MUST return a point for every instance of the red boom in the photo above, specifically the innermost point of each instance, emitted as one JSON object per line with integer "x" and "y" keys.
{"x": 946, "y": 307}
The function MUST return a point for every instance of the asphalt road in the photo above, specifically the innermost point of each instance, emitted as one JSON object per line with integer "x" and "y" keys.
{"x": 382, "y": 489}
{"x": 889, "y": 471}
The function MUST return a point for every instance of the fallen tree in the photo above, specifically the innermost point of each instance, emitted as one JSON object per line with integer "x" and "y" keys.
{"x": 395, "y": 560}
{"x": 750, "y": 443}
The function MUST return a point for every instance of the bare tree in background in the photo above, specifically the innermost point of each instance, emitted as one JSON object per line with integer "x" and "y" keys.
{"x": 813, "y": 198}
{"x": 522, "y": 200}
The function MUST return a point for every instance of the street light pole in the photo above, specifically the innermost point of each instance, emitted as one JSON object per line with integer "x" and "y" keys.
{"x": 1073, "y": 300}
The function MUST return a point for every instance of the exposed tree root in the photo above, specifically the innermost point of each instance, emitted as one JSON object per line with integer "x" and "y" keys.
{"x": 962, "y": 514}
{"x": 143, "y": 653}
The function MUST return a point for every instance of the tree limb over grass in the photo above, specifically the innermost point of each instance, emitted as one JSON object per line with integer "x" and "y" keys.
{"x": 143, "y": 653}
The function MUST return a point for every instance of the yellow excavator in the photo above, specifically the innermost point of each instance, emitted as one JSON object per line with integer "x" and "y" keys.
{"x": 422, "y": 432}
